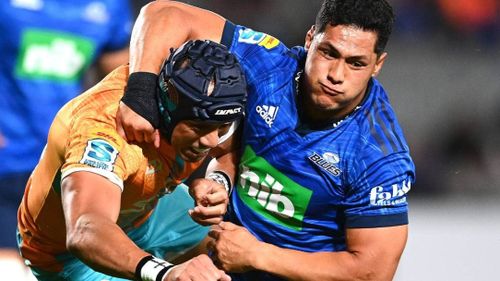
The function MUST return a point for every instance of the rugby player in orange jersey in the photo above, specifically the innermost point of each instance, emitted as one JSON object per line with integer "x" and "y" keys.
{"x": 99, "y": 208}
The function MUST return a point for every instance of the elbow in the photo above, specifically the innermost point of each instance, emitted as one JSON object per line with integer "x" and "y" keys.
{"x": 374, "y": 272}
{"x": 153, "y": 7}
{"x": 372, "y": 267}
{"x": 158, "y": 9}
{"x": 367, "y": 274}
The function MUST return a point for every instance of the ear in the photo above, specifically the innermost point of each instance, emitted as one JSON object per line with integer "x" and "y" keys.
{"x": 309, "y": 37}
{"x": 379, "y": 64}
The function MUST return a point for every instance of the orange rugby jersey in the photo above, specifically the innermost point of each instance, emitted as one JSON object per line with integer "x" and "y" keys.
{"x": 83, "y": 137}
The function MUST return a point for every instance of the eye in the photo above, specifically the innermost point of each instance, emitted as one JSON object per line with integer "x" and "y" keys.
{"x": 195, "y": 126}
{"x": 223, "y": 129}
{"x": 357, "y": 64}
{"x": 326, "y": 52}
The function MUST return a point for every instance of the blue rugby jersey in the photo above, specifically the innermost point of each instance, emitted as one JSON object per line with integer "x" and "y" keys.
{"x": 302, "y": 190}
{"x": 46, "y": 46}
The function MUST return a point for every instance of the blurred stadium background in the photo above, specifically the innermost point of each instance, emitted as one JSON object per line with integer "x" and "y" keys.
{"x": 443, "y": 79}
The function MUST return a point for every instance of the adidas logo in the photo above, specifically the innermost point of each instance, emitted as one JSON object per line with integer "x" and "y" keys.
{"x": 268, "y": 113}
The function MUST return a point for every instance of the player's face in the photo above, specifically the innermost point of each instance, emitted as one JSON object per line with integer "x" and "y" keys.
{"x": 193, "y": 139}
{"x": 340, "y": 62}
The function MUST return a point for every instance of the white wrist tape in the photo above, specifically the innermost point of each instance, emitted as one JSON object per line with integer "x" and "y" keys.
{"x": 151, "y": 268}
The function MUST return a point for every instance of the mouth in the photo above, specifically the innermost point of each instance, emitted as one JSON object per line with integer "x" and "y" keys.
{"x": 330, "y": 91}
{"x": 196, "y": 154}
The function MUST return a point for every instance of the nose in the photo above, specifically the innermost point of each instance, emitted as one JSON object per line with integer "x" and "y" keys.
{"x": 210, "y": 140}
{"x": 336, "y": 71}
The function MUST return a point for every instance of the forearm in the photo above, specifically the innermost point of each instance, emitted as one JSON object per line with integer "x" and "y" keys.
{"x": 151, "y": 36}
{"x": 162, "y": 25}
{"x": 226, "y": 164}
{"x": 102, "y": 245}
{"x": 343, "y": 265}
{"x": 227, "y": 156}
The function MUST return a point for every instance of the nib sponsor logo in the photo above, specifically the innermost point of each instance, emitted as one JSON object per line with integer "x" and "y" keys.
{"x": 268, "y": 113}
{"x": 270, "y": 193}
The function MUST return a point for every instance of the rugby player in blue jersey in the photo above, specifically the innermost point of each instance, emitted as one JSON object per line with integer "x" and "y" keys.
{"x": 325, "y": 168}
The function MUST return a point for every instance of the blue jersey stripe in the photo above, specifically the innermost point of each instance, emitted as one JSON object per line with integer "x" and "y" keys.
{"x": 394, "y": 128}
{"x": 387, "y": 134}
{"x": 377, "y": 221}
{"x": 375, "y": 134}
{"x": 228, "y": 34}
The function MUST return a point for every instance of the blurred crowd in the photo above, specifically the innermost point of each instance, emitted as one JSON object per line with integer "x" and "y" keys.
{"x": 471, "y": 21}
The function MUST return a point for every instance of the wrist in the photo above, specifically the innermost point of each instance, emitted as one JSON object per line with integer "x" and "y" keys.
{"x": 140, "y": 96}
{"x": 151, "y": 268}
{"x": 259, "y": 256}
{"x": 221, "y": 178}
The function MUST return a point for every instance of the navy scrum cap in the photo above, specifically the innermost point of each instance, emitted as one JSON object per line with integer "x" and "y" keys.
{"x": 201, "y": 80}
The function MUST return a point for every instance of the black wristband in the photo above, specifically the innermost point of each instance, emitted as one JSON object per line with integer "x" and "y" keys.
{"x": 140, "y": 96}
{"x": 150, "y": 268}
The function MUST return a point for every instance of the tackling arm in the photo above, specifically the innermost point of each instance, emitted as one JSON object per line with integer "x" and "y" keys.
{"x": 162, "y": 25}
{"x": 91, "y": 206}
{"x": 210, "y": 194}
{"x": 373, "y": 254}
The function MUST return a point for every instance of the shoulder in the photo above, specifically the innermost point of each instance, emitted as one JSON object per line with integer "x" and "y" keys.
{"x": 97, "y": 106}
{"x": 258, "y": 52}
{"x": 378, "y": 126}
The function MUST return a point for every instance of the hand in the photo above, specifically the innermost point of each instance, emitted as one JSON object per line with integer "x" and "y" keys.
{"x": 197, "y": 268}
{"x": 233, "y": 248}
{"x": 132, "y": 127}
{"x": 211, "y": 201}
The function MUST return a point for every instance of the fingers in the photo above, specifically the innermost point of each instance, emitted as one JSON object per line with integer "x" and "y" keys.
{"x": 141, "y": 131}
{"x": 198, "y": 268}
{"x": 213, "y": 233}
{"x": 156, "y": 138}
{"x": 208, "y": 215}
{"x": 218, "y": 197}
{"x": 208, "y": 193}
{"x": 224, "y": 277}
{"x": 150, "y": 135}
{"x": 225, "y": 225}
{"x": 119, "y": 125}
{"x": 134, "y": 128}
{"x": 211, "y": 201}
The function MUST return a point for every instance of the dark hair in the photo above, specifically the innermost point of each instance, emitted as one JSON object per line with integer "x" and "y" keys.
{"x": 369, "y": 15}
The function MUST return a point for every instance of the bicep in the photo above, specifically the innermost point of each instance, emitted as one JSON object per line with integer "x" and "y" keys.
{"x": 379, "y": 248}
{"x": 195, "y": 22}
{"x": 162, "y": 25}
{"x": 86, "y": 193}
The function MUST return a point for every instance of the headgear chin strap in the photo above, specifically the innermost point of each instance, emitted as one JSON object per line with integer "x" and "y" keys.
{"x": 208, "y": 85}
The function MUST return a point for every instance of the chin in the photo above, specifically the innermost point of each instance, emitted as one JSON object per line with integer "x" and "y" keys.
{"x": 190, "y": 157}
